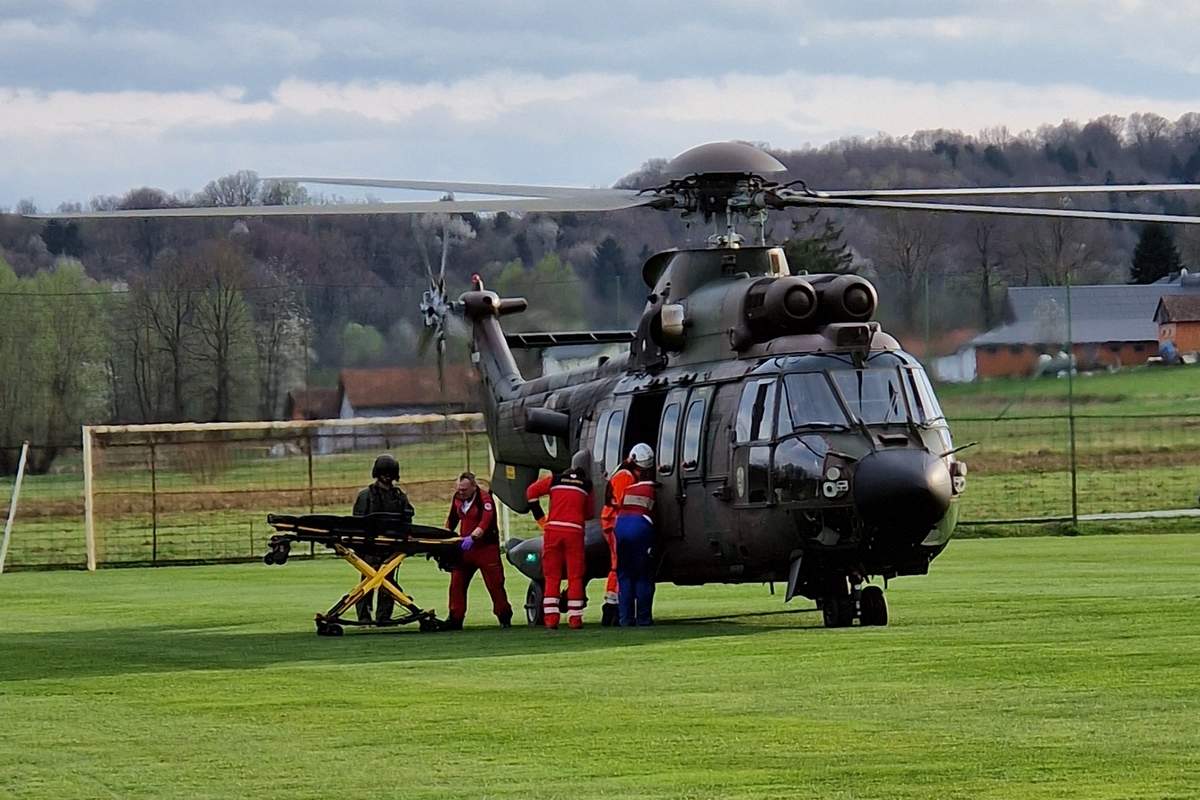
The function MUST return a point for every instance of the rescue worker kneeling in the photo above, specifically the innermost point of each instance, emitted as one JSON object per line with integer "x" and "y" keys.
{"x": 473, "y": 509}
{"x": 562, "y": 545}
{"x": 635, "y": 542}
{"x": 613, "y": 494}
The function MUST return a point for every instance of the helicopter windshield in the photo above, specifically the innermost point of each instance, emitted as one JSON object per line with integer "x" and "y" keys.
{"x": 875, "y": 396}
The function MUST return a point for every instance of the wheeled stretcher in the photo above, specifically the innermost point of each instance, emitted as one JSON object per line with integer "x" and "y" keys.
{"x": 386, "y": 539}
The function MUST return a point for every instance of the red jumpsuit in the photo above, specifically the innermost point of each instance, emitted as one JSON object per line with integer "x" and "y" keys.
{"x": 478, "y": 512}
{"x": 562, "y": 546}
{"x": 614, "y": 493}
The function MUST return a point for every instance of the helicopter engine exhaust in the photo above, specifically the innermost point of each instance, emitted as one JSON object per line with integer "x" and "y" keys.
{"x": 780, "y": 306}
{"x": 846, "y": 298}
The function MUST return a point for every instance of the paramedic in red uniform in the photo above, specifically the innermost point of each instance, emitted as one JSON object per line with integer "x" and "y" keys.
{"x": 474, "y": 510}
{"x": 562, "y": 545}
{"x": 635, "y": 542}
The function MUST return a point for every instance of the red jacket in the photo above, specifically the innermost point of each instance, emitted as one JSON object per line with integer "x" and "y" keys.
{"x": 480, "y": 514}
{"x": 570, "y": 499}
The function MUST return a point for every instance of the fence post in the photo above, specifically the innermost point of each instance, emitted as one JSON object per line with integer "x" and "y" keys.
{"x": 1071, "y": 410}
{"x": 312, "y": 546}
{"x": 153, "y": 502}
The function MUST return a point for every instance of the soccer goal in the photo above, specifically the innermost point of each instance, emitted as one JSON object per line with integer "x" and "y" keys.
{"x": 200, "y": 492}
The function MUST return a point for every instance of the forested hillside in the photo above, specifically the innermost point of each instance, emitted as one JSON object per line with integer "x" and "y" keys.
{"x": 183, "y": 319}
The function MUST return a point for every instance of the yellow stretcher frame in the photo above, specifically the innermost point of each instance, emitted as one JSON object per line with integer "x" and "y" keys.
{"x": 394, "y": 548}
{"x": 330, "y": 623}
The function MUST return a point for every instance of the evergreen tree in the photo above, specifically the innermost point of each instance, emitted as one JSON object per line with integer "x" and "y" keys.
{"x": 1155, "y": 255}
{"x": 817, "y": 251}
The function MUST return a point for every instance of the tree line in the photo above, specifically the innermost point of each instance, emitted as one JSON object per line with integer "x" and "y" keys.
{"x": 208, "y": 320}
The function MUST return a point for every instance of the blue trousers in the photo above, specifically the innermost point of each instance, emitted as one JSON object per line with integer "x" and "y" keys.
{"x": 635, "y": 570}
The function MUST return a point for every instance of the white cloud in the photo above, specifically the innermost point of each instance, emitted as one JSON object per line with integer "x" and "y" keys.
{"x": 593, "y": 125}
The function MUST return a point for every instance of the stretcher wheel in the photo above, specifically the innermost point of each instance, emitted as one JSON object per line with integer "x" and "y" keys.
{"x": 269, "y": 558}
{"x": 328, "y": 629}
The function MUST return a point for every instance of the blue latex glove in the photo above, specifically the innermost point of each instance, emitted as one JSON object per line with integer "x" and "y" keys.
{"x": 467, "y": 543}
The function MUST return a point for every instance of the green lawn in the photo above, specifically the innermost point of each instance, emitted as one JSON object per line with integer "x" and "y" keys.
{"x": 1039, "y": 668}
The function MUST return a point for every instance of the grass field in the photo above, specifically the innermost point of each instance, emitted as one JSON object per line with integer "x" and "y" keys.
{"x": 1038, "y": 668}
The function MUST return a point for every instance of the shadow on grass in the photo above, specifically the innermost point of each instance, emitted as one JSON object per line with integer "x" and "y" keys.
{"x": 57, "y": 655}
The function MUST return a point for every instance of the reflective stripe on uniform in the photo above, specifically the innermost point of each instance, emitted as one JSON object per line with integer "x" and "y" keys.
{"x": 572, "y": 525}
{"x": 574, "y": 604}
{"x": 639, "y": 501}
{"x": 558, "y": 486}
{"x": 575, "y": 612}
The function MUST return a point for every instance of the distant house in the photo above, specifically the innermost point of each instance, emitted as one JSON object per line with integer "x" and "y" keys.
{"x": 394, "y": 391}
{"x": 305, "y": 404}
{"x": 1178, "y": 319}
{"x": 1110, "y": 325}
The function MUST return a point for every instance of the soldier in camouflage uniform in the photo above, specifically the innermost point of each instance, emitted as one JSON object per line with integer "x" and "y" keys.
{"x": 381, "y": 496}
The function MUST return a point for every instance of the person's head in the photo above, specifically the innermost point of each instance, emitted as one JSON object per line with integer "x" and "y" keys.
{"x": 642, "y": 456}
{"x": 581, "y": 460}
{"x": 466, "y": 486}
{"x": 386, "y": 469}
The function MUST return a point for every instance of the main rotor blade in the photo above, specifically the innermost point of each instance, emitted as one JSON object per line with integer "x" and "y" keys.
{"x": 577, "y": 203}
{"x": 997, "y": 191}
{"x": 1012, "y": 211}
{"x": 461, "y": 187}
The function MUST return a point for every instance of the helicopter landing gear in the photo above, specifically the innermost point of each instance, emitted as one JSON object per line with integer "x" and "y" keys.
{"x": 872, "y": 607}
{"x": 533, "y": 604}
{"x": 838, "y": 605}
{"x": 843, "y": 603}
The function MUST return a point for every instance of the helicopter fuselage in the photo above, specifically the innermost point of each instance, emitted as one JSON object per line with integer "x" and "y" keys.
{"x": 808, "y": 452}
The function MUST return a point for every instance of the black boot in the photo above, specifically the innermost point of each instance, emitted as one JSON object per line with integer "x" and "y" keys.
{"x": 609, "y": 614}
{"x": 505, "y": 619}
{"x": 451, "y": 625}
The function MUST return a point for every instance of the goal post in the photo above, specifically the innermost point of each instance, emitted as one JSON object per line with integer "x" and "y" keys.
{"x": 200, "y": 492}
{"x": 12, "y": 506}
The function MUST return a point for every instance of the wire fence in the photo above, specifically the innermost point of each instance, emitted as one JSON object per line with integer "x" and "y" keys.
{"x": 202, "y": 497}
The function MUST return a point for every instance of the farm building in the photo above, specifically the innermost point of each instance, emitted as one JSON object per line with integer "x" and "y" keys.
{"x": 394, "y": 391}
{"x": 1111, "y": 326}
{"x": 1178, "y": 319}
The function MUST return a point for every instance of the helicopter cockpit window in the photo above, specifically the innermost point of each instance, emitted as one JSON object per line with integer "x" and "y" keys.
{"x": 809, "y": 401}
{"x": 875, "y": 396}
{"x": 922, "y": 390}
{"x": 612, "y": 446}
{"x": 666, "y": 439}
{"x": 756, "y": 412}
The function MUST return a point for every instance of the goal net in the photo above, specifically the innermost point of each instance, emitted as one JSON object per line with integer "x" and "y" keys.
{"x": 179, "y": 493}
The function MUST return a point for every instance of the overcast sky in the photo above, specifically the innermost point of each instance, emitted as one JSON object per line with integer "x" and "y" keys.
{"x": 99, "y": 96}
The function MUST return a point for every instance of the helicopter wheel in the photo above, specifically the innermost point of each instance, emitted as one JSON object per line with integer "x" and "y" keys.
{"x": 533, "y": 604}
{"x": 837, "y": 607}
{"x": 872, "y": 607}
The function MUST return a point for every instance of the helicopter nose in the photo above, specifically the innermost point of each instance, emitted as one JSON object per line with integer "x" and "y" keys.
{"x": 904, "y": 490}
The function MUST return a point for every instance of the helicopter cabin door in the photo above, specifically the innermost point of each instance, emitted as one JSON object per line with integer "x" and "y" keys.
{"x": 698, "y": 485}
{"x": 670, "y": 498}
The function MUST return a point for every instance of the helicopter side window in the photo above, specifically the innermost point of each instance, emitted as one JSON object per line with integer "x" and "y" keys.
{"x": 756, "y": 412}
{"x": 693, "y": 435}
{"x": 922, "y": 390}
{"x": 612, "y": 445}
{"x": 666, "y": 439}
{"x": 875, "y": 396}
{"x": 809, "y": 401}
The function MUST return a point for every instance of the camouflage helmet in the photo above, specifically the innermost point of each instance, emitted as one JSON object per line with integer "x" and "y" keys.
{"x": 386, "y": 466}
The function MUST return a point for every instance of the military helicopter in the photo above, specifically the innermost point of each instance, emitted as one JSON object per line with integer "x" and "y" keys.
{"x": 796, "y": 441}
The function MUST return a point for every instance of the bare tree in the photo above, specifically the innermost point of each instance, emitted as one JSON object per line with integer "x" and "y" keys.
{"x": 238, "y": 189}
{"x": 906, "y": 245}
{"x": 222, "y": 323}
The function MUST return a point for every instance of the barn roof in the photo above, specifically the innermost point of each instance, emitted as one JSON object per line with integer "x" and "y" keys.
{"x": 394, "y": 387}
{"x": 312, "y": 403}
{"x": 1105, "y": 313}
{"x": 1178, "y": 308}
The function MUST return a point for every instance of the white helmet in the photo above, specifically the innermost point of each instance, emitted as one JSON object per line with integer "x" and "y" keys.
{"x": 642, "y": 455}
